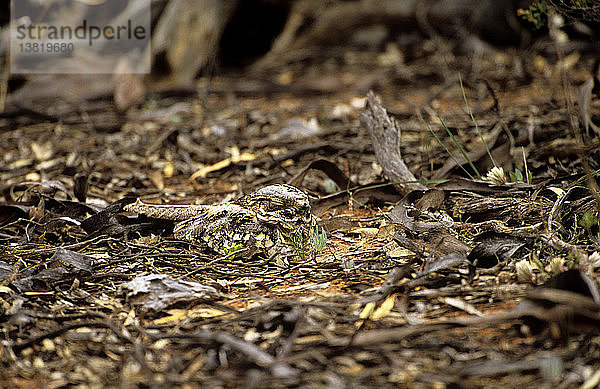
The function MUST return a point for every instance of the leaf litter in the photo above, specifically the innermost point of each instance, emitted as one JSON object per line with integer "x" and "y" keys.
{"x": 496, "y": 283}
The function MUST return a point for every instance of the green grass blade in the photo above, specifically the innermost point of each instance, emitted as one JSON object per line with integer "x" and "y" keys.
{"x": 462, "y": 88}
{"x": 446, "y": 149}
{"x": 461, "y": 149}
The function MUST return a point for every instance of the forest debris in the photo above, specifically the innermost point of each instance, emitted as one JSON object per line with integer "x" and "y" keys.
{"x": 400, "y": 215}
{"x": 81, "y": 186}
{"x": 499, "y": 368}
{"x": 584, "y": 102}
{"x": 176, "y": 316}
{"x": 570, "y": 311}
{"x": 74, "y": 262}
{"x": 493, "y": 248}
{"x": 299, "y": 128}
{"x": 156, "y": 292}
{"x": 10, "y": 213}
{"x": 327, "y": 167}
{"x": 236, "y": 157}
{"x": 64, "y": 265}
{"x": 361, "y": 195}
{"x": 574, "y": 280}
{"x": 462, "y": 304}
{"x": 373, "y": 312}
{"x": 437, "y": 264}
{"x": 105, "y": 219}
{"x": 254, "y": 353}
{"x": 386, "y": 138}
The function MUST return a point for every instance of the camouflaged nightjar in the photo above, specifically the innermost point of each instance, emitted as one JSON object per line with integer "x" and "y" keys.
{"x": 272, "y": 221}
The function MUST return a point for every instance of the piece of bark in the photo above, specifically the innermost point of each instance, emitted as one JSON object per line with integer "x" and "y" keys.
{"x": 385, "y": 136}
{"x": 189, "y": 32}
{"x": 129, "y": 87}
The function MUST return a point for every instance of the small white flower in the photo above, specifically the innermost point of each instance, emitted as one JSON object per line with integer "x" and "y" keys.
{"x": 496, "y": 176}
{"x": 524, "y": 271}
{"x": 595, "y": 259}
{"x": 556, "y": 265}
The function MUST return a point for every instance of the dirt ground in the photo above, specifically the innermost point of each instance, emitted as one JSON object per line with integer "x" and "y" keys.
{"x": 470, "y": 282}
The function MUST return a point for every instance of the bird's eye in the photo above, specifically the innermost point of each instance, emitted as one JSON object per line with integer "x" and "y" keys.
{"x": 288, "y": 214}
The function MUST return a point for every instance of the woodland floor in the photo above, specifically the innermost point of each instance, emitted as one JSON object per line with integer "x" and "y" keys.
{"x": 443, "y": 288}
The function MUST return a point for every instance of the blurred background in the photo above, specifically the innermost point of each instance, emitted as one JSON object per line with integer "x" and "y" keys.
{"x": 256, "y": 82}
{"x": 277, "y": 40}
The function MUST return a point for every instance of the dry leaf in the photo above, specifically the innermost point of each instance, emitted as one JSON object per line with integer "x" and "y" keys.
{"x": 382, "y": 311}
{"x": 169, "y": 170}
{"x": 385, "y": 308}
{"x": 235, "y": 158}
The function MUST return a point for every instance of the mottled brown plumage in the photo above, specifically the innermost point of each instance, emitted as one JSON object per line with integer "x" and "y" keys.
{"x": 272, "y": 220}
